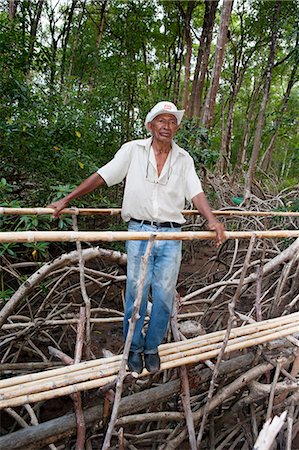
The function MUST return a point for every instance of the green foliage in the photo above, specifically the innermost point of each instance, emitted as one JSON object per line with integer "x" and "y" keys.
{"x": 70, "y": 97}
{"x": 5, "y": 295}
{"x": 195, "y": 139}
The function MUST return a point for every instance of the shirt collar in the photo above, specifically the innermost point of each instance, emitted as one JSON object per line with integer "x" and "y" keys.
{"x": 176, "y": 149}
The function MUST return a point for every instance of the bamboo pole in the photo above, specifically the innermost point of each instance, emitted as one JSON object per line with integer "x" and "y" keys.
{"x": 117, "y": 211}
{"x": 111, "y": 236}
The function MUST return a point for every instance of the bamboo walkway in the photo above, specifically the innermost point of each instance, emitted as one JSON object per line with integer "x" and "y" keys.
{"x": 93, "y": 374}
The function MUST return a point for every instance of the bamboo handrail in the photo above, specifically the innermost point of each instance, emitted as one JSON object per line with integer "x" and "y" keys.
{"x": 111, "y": 236}
{"x": 90, "y": 374}
{"x": 117, "y": 211}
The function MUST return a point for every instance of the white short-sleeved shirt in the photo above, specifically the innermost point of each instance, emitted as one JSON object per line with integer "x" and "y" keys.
{"x": 147, "y": 196}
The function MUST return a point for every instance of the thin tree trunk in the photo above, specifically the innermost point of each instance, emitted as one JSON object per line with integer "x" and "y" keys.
{"x": 236, "y": 83}
{"x": 101, "y": 24}
{"x": 261, "y": 117}
{"x": 177, "y": 71}
{"x": 241, "y": 155}
{"x": 76, "y": 40}
{"x": 66, "y": 33}
{"x": 208, "y": 114}
{"x": 12, "y": 8}
{"x": 195, "y": 105}
{"x": 266, "y": 159}
{"x": 187, "y": 19}
{"x": 33, "y": 32}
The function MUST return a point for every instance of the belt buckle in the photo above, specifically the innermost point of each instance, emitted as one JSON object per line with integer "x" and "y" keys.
{"x": 158, "y": 224}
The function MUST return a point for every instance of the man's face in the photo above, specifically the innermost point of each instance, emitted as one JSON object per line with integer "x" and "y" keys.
{"x": 164, "y": 127}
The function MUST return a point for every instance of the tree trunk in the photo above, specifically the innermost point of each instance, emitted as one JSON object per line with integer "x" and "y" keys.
{"x": 66, "y": 33}
{"x": 187, "y": 19}
{"x": 177, "y": 68}
{"x": 241, "y": 155}
{"x": 101, "y": 24}
{"x": 261, "y": 117}
{"x": 76, "y": 39}
{"x": 33, "y": 31}
{"x": 266, "y": 159}
{"x": 208, "y": 114}
{"x": 12, "y": 8}
{"x": 195, "y": 102}
{"x": 239, "y": 69}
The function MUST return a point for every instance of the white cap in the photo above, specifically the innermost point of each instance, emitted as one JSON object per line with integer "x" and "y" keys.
{"x": 164, "y": 108}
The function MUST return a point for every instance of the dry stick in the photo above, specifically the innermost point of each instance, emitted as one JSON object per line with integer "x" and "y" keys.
{"x": 231, "y": 308}
{"x": 121, "y": 443}
{"x": 60, "y": 355}
{"x": 134, "y": 318}
{"x": 81, "y": 427}
{"x": 17, "y": 417}
{"x": 290, "y": 420}
{"x": 259, "y": 280}
{"x": 117, "y": 211}
{"x": 294, "y": 372}
{"x": 76, "y": 396}
{"x": 83, "y": 290}
{"x": 112, "y": 236}
{"x": 269, "y": 432}
{"x": 185, "y": 394}
{"x": 55, "y": 322}
{"x": 272, "y": 392}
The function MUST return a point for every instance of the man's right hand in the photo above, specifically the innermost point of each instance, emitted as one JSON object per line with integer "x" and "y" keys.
{"x": 58, "y": 207}
{"x": 87, "y": 186}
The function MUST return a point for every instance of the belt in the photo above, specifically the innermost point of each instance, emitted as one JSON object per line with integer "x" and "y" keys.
{"x": 158, "y": 224}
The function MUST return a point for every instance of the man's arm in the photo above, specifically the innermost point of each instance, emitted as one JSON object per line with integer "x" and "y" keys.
{"x": 201, "y": 203}
{"x": 89, "y": 185}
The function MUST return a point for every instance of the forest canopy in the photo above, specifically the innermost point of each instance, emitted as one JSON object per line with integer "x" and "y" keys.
{"x": 78, "y": 77}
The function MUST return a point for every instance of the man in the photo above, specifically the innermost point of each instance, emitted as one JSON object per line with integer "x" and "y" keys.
{"x": 160, "y": 176}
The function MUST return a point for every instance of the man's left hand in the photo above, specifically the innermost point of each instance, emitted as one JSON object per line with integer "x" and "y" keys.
{"x": 219, "y": 228}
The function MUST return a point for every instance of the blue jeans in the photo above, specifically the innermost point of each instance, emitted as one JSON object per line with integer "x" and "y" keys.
{"x": 162, "y": 273}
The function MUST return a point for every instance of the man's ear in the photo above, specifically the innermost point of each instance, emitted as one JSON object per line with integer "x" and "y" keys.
{"x": 149, "y": 127}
